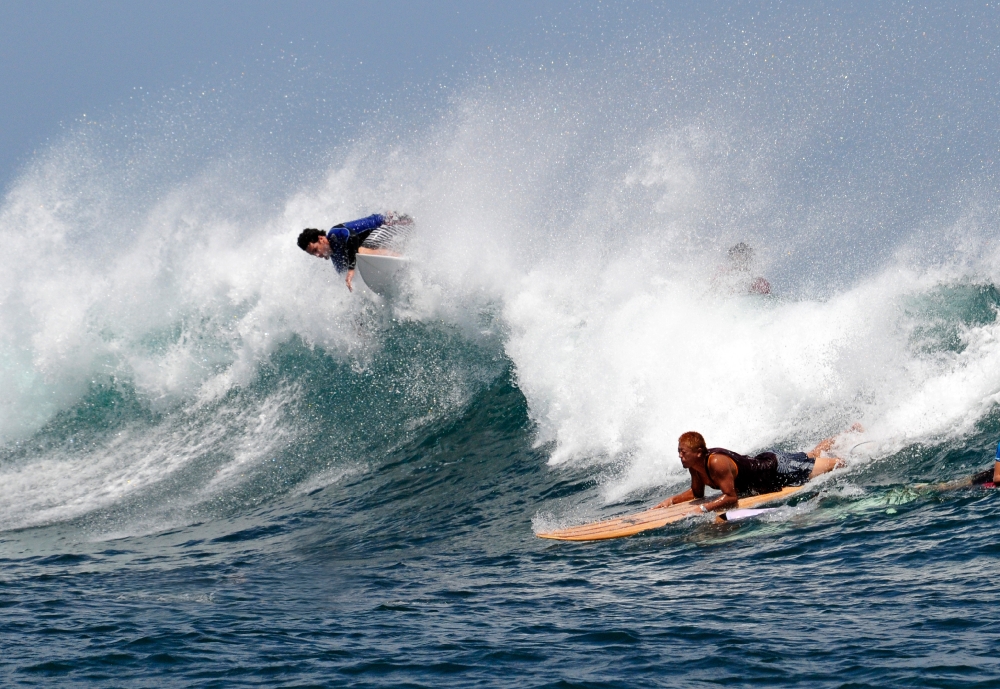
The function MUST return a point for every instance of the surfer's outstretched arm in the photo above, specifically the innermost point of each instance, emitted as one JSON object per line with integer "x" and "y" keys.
{"x": 982, "y": 478}
{"x": 697, "y": 490}
{"x": 947, "y": 485}
{"x": 680, "y": 497}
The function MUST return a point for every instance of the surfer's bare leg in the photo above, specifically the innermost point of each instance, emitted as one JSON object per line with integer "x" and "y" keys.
{"x": 948, "y": 485}
{"x": 821, "y": 447}
{"x": 824, "y": 465}
{"x": 825, "y": 445}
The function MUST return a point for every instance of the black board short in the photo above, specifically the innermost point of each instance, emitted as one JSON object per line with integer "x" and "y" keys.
{"x": 794, "y": 468}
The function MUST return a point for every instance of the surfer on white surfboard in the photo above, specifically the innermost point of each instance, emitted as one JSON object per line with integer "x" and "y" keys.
{"x": 380, "y": 233}
{"x": 737, "y": 475}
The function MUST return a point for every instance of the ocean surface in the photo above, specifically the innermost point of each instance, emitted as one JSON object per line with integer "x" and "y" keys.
{"x": 219, "y": 468}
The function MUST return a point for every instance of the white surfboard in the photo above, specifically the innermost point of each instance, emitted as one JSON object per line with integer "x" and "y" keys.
{"x": 740, "y": 515}
{"x": 382, "y": 274}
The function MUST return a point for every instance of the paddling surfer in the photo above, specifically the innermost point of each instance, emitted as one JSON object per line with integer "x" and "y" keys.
{"x": 376, "y": 234}
{"x": 737, "y": 475}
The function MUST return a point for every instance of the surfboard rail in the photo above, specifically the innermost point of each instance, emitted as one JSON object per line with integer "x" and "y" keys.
{"x": 631, "y": 524}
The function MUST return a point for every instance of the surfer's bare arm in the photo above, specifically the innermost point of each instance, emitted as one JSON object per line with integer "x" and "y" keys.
{"x": 723, "y": 472}
{"x": 948, "y": 485}
{"x": 350, "y": 277}
{"x": 680, "y": 497}
{"x": 983, "y": 477}
{"x": 697, "y": 490}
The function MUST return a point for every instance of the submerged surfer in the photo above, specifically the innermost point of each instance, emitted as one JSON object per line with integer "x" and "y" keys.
{"x": 737, "y": 475}
{"x": 375, "y": 234}
{"x": 737, "y": 277}
{"x": 990, "y": 478}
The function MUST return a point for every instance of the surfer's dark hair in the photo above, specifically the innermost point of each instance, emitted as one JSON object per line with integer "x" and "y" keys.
{"x": 694, "y": 440}
{"x": 741, "y": 250}
{"x": 741, "y": 256}
{"x": 308, "y": 236}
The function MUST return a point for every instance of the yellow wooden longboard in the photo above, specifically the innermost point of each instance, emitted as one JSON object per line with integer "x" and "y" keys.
{"x": 632, "y": 524}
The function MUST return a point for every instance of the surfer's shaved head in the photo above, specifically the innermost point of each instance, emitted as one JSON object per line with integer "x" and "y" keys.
{"x": 693, "y": 440}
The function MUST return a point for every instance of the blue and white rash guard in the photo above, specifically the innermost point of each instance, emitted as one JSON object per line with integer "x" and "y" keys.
{"x": 346, "y": 237}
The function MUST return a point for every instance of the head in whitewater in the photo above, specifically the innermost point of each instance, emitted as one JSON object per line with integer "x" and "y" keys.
{"x": 380, "y": 233}
{"x": 736, "y": 277}
{"x": 741, "y": 257}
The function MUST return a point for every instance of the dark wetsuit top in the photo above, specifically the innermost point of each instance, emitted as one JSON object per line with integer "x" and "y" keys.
{"x": 346, "y": 237}
{"x": 754, "y": 474}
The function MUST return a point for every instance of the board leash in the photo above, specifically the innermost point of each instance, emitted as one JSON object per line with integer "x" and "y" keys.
{"x": 867, "y": 442}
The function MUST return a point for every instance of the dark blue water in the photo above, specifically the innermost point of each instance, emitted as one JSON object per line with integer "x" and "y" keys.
{"x": 422, "y": 569}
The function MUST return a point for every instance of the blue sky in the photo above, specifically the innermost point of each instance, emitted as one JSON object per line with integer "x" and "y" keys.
{"x": 63, "y": 60}
{"x": 890, "y": 105}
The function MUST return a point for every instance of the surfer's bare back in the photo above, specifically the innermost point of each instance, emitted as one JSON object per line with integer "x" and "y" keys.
{"x": 737, "y": 475}
{"x": 376, "y": 234}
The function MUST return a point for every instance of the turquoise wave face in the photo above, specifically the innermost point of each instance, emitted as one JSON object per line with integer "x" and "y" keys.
{"x": 943, "y": 315}
{"x": 305, "y": 420}
{"x": 308, "y": 420}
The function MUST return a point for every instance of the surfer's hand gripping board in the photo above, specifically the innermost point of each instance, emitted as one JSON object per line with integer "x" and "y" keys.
{"x": 631, "y": 524}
